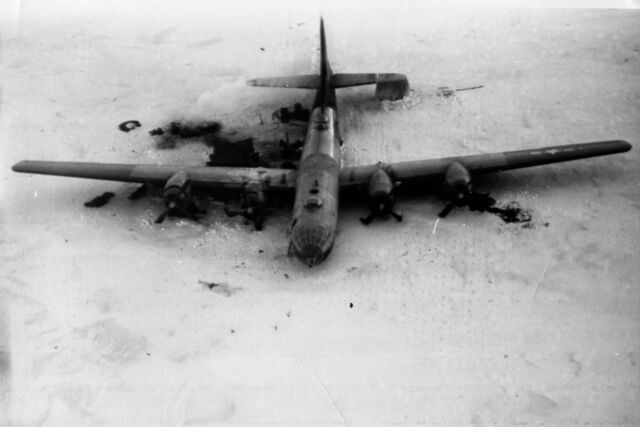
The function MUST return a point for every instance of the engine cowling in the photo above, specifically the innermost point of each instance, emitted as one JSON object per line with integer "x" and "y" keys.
{"x": 458, "y": 180}
{"x": 252, "y": 203}
{"x": 254, "y": 194}
{"x": 177, "y": 190}
{"x": 177, "y": 196}
{"x": 381, "y": 191}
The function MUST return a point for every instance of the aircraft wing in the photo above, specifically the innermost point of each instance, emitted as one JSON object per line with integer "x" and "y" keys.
{"x": 200, "y": 176}
{"x": 486, "y": 163}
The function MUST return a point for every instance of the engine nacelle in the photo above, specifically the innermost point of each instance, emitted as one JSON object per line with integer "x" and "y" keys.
{"x": 177, "y": 190}
{"x": 458, "y": 179}
{"x": 381, "y": 195}
{"x": 254, "y": 193}
{"x": 381, "y": 191}
{"x": 252, "y": 203}
{"x": 380, "y": 184}
{"x": 177, "y": 197}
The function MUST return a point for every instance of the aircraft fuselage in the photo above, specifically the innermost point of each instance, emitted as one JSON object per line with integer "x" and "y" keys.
{"x": 315, "y": 211}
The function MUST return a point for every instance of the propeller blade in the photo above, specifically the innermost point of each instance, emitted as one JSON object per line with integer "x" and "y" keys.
{"x": 447, "y": 209}
{"x": 367, "y": 220}
{"x": 183, "y": 188}
{"x": 162, "y": 216}
{"x": 230, "y": 212}
{"x": 188, "y": 214}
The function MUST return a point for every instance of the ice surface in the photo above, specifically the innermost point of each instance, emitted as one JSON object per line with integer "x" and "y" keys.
{"x": 103, "y": 317}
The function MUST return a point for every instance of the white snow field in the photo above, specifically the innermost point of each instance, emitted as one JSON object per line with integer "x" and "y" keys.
{"x": 462, "y": 321}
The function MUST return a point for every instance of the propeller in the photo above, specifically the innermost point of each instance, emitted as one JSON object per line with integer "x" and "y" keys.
{"x": 177, "y": 197}
{"x": 458, "y": 182}
{"x": 381, "y": 196}
{"x": 163, "y": 215}
{"x": 447, "y": 209}
{"x": 252, "y": 204}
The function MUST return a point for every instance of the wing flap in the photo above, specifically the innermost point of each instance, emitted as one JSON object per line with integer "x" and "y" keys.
{"x": 487, "y": 163}
{"x": 200, "y": 176}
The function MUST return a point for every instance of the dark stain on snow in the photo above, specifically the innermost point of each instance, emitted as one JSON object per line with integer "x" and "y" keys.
{"x": 191, "y": 130}
{"x": 175, "y": 130}
{"x": 510, "y": 212}
{"x": 220, "y": 288}
{"x": 297, "y": 113}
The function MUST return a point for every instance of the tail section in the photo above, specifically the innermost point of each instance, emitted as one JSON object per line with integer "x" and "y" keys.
{"x": 389, "y": 86}
{"x": 325, "y": 68}
{"x": 305, "y": 81}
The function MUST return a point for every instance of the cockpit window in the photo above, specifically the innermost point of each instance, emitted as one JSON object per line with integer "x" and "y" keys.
{"x": 312, "y": 202}
{"x": 321, "y": 122}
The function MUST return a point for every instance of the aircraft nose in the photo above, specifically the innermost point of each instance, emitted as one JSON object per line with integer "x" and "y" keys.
{"x": 311, "y": 254}
{"x": 311, "y": 242}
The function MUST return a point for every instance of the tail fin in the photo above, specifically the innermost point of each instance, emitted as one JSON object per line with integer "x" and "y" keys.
{"x": 325, "y": 68}
{"x": 389, "y": 86}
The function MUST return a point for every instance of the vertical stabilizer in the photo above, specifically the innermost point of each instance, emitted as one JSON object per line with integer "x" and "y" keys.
{"x": 325, "y": 68}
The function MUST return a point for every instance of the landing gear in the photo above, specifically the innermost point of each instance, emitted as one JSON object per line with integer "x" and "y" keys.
{"x": 252, "y": 214}
{"x": 383, "y": 213}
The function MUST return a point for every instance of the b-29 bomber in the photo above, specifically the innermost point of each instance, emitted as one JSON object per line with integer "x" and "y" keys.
{"x": 320, "y": 175}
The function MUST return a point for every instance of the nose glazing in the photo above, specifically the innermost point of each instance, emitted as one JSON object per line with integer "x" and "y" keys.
{"x": 311, "y": 242}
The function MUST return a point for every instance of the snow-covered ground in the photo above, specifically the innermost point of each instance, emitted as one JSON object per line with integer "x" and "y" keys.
{"x": 103, "y": 320}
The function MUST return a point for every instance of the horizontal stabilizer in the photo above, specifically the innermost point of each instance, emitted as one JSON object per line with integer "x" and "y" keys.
{"x": 305, "y": 81}
{"x": 391, "y": 86}
{"x": 353, "y": 79}
{"x": 358, "y": 79}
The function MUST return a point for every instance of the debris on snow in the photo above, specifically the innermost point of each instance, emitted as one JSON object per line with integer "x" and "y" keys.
{"x": 220, "y": 288}
{"x": 129, "y": 125}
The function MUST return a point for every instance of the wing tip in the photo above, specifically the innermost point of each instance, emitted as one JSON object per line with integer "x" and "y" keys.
{"x": 624, "y": 145}
{"x": 20, "y": 166}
